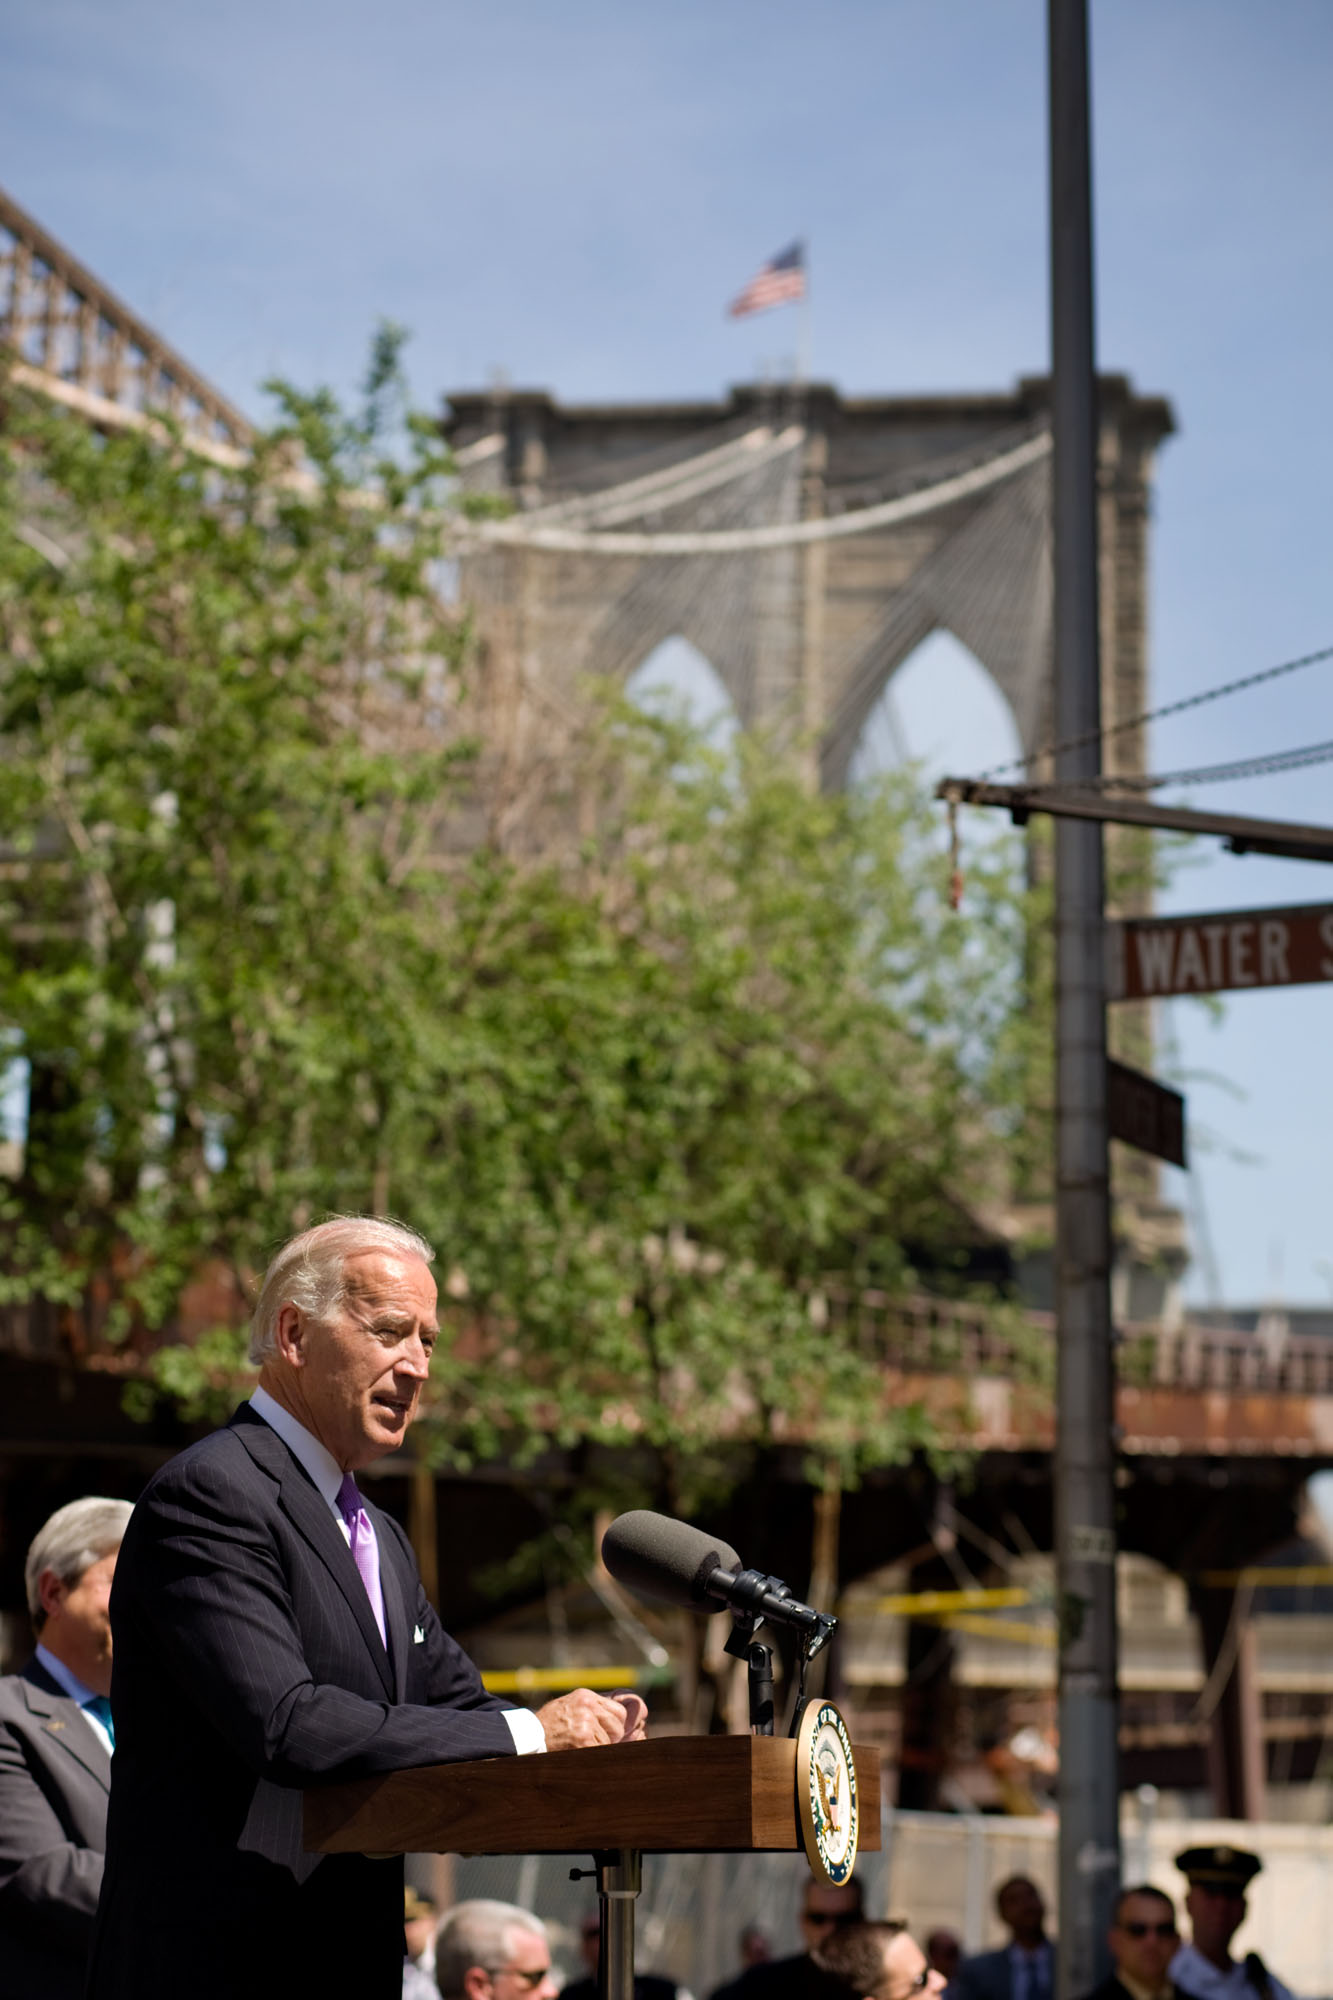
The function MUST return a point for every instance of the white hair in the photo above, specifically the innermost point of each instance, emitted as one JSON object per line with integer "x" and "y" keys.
{"x": 477, "y": 1933}
{"x": 69, "y": 1543}
{"x": 308, "y": 1271}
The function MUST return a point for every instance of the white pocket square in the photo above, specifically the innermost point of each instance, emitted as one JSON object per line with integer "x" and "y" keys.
{"x": 418, "y": 1636}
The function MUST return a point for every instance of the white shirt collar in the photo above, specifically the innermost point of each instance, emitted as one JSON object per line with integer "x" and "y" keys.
{"x": 313, "y": 1457}
{"x": 71, "y": 1683}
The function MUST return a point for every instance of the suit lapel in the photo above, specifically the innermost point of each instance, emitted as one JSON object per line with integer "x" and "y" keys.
{"x": 313, "y": 1520}
{"x": 395, "y": 1604}
{"x": 63, "y": 1723}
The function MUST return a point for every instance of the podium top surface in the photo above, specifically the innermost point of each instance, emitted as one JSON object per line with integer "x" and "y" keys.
{"x": 669, "y": 1795}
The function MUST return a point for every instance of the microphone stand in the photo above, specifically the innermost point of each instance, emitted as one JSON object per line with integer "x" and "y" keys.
{"x": 758, "y": 1658}
{"x": 766, "y": 1595}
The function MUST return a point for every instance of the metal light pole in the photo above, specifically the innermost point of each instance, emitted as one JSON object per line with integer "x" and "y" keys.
{"x": 1085, "y": 1404}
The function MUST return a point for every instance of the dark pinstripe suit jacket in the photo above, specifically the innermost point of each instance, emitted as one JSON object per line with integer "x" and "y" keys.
{"x": 248, "y": 1666}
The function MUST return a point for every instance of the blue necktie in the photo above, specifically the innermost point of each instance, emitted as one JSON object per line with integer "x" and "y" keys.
{"x": 101, "y": 1708}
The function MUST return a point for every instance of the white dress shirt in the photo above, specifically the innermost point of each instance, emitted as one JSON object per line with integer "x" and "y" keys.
{"x": 1199, "y": 1977}
{"x": 326, "y": 1475}
{"x": 76, "y": 1691}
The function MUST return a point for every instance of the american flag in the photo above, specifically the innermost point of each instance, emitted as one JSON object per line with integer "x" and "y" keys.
{"x": 782, "y": 279}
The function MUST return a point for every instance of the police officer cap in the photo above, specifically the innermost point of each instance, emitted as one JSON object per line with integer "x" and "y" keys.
{"x": 1219, "y": 1867}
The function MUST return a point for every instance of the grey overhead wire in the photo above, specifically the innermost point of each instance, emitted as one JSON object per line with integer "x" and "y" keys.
{"x": 1158, "y": 714}
{"x": 1210, "y": 774}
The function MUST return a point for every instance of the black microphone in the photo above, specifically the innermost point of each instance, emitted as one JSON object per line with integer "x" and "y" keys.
{"x": 666, "y": 1561}
{"x": 670, "y": 1562}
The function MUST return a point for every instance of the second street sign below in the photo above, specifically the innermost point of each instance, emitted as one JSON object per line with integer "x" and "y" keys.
{"x": 1150, "y": 958}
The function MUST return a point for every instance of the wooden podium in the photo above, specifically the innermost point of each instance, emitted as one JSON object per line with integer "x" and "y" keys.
{"x": 669, "y": 1795}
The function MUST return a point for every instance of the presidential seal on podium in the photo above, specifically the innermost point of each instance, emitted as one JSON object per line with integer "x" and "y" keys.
{"x": 826, "y": 1798}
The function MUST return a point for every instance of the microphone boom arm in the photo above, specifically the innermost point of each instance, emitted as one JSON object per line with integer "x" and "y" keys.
{"x": 753, "y": 1597}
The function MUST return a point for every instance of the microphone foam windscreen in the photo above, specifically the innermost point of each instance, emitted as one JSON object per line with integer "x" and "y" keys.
{"x": 664, "y": 1560}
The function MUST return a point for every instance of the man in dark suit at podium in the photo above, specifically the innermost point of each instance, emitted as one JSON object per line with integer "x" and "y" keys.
{"x": 272, "y": 1633}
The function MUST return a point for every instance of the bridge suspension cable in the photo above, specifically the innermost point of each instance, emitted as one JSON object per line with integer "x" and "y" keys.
{"x": 672, "y": 486}
{"x": 528, "y": 531}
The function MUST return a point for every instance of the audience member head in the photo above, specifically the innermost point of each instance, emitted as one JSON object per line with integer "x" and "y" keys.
{"x": 1143, "y": 1935}
{"x": 68, "y": 1580}
{"x": 756, "y": 1947}
{"x": 824, "y": 1907}
{"x": 1022, "y": 1910}
{"x": 944, "y": 1953}
{"x": 344, "y": 1331}
{"x": 420, "y": 1915}
{"x": 877, "y": 1962}
{"x": 1218, "y": 1878}
{"x": 493, "y": 1951}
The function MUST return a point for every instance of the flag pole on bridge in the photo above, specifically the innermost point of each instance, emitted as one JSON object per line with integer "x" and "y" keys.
{"x": 1089, "y": 1848}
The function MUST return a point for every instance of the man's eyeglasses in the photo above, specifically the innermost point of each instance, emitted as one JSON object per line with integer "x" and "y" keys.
{"x": 532, "y": 1980}
{"x": 1150, "y": 1930}
{"x": 831, "y": 1921}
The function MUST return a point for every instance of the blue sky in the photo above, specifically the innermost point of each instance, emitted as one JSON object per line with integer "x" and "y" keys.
{"x": 571, "y": 194}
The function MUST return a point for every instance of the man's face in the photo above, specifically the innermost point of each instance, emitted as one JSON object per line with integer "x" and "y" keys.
{"x": 418, "y": 1931}
{"x": 1216, "y": 1915}
{"x": 77, "y": 1625}
{"x": 526, "y": 1971}
{"x": 826, "y": 1907}
{"x": 358, "y": 1377}
{"x": 906, "y": 1972}
{"x": 1022, "y": 1909}
{"x": 1143, "y": 1939}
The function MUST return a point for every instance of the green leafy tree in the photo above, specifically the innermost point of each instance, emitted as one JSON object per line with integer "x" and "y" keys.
{"x": 659, "y": 1091}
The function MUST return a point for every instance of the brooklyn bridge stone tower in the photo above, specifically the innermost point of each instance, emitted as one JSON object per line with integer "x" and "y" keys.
{"x": 804, "y": 542}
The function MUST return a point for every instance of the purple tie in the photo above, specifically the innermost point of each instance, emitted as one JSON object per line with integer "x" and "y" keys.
{"x": 365, "y": 1549}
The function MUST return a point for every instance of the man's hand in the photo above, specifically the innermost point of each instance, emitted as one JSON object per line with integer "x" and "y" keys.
{"x": 582, "y": 1720}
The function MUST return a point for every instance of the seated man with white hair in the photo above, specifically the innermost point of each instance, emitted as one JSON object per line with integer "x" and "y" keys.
{"x": 493, "y": 1951}
{"x": 55, "y": 1756}
{"x": 272, "y": 1634}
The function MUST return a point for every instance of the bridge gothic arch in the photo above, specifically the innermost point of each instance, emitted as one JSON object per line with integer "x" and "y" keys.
{"x": 677, "y": 674}
{"x": 941, "y": 709}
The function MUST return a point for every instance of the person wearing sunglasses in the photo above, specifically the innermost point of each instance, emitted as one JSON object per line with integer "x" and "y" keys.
{"x": 825, "y": 1908}
{"x": 878, "y": 1962}
{"x": 1143, "y": 1939}
{"x": 1204, "y": 1969}
{"x": 486, "y": 1950}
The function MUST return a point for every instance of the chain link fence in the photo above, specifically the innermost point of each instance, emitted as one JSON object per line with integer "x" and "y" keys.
{"x": 936, "y": 1869}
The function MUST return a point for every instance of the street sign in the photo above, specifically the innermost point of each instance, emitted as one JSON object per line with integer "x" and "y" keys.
{"x": 1144, "y": 1113}
{"x": 1151, "y": 958}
